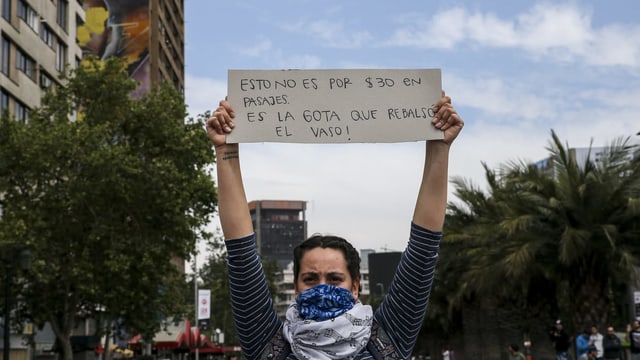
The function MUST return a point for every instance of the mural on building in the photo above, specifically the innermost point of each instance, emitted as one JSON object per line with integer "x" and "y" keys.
{"x": 119, "y": 28}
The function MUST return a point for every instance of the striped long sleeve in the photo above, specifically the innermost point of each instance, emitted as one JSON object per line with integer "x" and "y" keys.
{"x": 402, "y": 312}
{"x": 253, "y": 311}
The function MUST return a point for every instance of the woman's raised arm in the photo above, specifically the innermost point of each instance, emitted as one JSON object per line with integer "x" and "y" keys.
{"x": 232, "y": 201}
{"x": 431, "y": 203}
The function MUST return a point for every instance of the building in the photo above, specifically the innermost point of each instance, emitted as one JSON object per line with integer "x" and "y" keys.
{"x": 280, "y": 225}
{"x": 580, "y": 156}
{"x": 38, "y": 40}
{"x": 286, "y": 292}
{"x": 382, "y": 269}
{"x": 148, "y": 33}
{"x": 42, "y": 37}
{"x": 364, "y": 270}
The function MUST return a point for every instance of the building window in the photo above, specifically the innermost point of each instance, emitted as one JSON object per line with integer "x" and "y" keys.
{"x": 46, "y": 34}
{"x": 26, "y": 64}
{"x": 45, "y": 80}
{"x": 28, "y": 14}
{"x": 6, "y": 10}
{"x": 21, "y": 112}
{"x": 6, "y": 52}
{"x": 61, "y": 18}
{"x": 22, "y": 10}
{"x": 4, "y": 102}
{"x": 61, "y": 56}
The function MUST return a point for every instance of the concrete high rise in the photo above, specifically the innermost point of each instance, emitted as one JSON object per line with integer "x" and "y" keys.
{"x": 280, "y": 225}
{"x": 149, "y": 34}
{"x": 40, "y": 38}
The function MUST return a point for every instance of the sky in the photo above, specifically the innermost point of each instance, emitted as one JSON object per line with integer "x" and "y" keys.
{"x": 515, "y": 70}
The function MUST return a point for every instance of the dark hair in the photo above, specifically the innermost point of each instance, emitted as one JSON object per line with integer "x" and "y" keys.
{"x": 351, "y": 255}
{"x": 514, "y": 347}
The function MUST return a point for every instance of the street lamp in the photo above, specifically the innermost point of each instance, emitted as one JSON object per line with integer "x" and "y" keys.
{"x": 25, "y": 264}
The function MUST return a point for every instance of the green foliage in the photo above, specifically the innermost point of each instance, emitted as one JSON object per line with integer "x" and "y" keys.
{"x": 214, "y": 276}
{"x": 105, "y": 197}
{"x": 544, "y": 244}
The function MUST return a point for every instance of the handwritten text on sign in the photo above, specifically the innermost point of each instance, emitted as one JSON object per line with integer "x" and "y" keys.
{"x": 334, "y": 106}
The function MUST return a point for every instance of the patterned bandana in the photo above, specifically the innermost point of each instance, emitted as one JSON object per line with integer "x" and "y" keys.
{"x": 342, "y": 337}
{"x": 324, "y": 302}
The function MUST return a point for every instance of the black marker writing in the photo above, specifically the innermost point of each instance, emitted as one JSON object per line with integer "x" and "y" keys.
{"x": 412, "y": 113}
{"x": 265, "y": 100}
{"x": 320, "y": 115}
{"x": 329, "y": 131}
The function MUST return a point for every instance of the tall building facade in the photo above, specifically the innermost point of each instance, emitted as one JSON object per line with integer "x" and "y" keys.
{"x": 382, "y": 269}
{"x": 280, "y": 225}
{"x": 149, "y": 34}
{"x": 580, "y": 156}
{"x": 40, "y": 38}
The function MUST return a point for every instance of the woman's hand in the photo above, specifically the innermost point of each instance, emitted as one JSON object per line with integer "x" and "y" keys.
{"x": 447, "y": 119}
{"x": 220, "y": 123}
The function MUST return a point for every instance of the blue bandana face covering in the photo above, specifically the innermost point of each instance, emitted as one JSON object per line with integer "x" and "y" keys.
{"x": 324, "y": 302}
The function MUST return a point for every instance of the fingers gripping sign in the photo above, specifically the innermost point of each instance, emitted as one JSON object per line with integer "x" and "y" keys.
{"x": 220, "y": 123}
{"x": 447, "y": 119}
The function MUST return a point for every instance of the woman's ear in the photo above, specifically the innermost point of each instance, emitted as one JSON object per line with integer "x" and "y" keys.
{"x": 355, "y": 289}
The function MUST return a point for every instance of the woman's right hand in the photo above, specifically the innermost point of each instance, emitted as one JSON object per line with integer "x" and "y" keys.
{"x": 447, "y": 119}
{"x": 221, "y": 123}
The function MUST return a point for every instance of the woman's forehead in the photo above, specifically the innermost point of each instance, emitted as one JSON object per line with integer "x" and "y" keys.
{"x": 323, "y": 258}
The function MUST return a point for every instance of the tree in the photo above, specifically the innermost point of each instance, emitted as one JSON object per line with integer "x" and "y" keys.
{"x": 549, "y": 244}
{"x": 214, "y": 276}
{"x": 107, "y": 192}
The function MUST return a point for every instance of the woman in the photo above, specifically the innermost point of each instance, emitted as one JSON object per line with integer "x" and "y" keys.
{"x": 327, "y": 321}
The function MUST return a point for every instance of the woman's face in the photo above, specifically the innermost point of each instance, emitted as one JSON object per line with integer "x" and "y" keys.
{"x": 325, "y": 266}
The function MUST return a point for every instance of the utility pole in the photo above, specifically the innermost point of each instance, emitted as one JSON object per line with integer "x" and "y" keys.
{"x": 6, "y": 346}
{"x": 195, "y": 286}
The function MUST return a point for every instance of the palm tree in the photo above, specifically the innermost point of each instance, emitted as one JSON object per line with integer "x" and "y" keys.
{"x": 588, "y": 219}
{"x": 547, "y": 244}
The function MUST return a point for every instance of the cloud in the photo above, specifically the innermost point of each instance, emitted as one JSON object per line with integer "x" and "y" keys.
{"x": 563, "y": 33}
{"x": 331, "y": 34}
{"x": 547, "y": 27}
{"x": 443, "y": 31}
{"x": 203, "y": 93}
{"x": 275, "y": 58}
{"x": 262, "y": 47}
{"x": 503, "y": 100}
{"x": 297, "y": 61}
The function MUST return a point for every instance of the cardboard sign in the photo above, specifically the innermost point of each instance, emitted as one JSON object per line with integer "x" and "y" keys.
{"x": 334, "y": 106}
